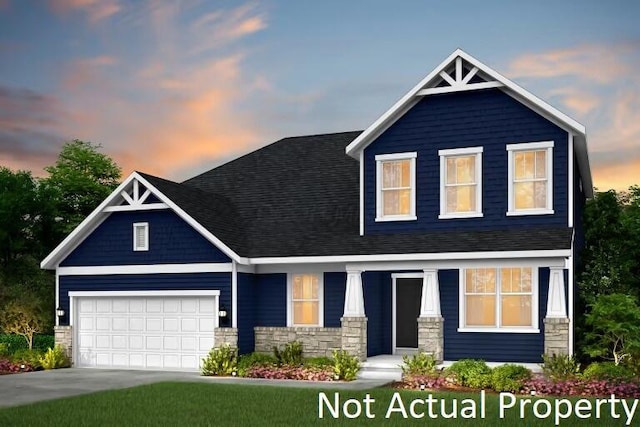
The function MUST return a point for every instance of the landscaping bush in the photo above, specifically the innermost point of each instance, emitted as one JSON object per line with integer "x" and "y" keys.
{"x": 580, "y": 387}
{"x": 318, "y": 362}
{"x": 560, "y": 367}
{"x": 289, "y": 372}
{"x": 55, "y": 358}
{"x": 17, "y": 342}
{"x": 345, "y": 365}
{"x": 4, "y": 350}
{"x": 27, "y": 357}
{"x": 470, "y": 373}
{"x": 290, "y": 355}
{"x": 420, "y": 364}
{"x": 9, "y": 366}
{"x": 247, "y": 361}
{"x": 424, "y": 382}
{"x": 608, "y": 371}
{"x": 221, "y": 361}
{"x": 509, "y": 377}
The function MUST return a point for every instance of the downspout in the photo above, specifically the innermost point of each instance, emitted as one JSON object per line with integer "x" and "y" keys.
{"x": 234, "y": 294}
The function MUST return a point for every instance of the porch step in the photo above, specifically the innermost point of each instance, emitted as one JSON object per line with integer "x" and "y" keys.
{"x": 381, "y": 368}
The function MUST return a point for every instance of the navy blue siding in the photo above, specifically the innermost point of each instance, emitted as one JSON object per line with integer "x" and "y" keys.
{"x": 492, "y": 347}
{"x": 171, "y": 240}
{"x": 271, "y": 299}
{"x": 334, "y": 288}
{"x": 246, "y": 312}
{"x": 145, "y": 282}
{"x": 487, "y": 118}
{"x": 377, "y": 306}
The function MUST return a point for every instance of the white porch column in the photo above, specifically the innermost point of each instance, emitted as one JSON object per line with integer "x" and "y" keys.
{"x": 430, "y": 304}
{"x": 354, "y": 297}
{"x": 556, "y": 300}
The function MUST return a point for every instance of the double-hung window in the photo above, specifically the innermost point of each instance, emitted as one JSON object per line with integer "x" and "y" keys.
{"x": 305, "y": 295}
{"x": 396, "y": 187}
{"x": 530, "y": 178}
{"x": 460, "y": 183}
{"x": 499, "y": 299}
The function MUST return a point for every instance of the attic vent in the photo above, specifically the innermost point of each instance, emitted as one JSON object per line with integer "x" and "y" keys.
{"x": 141, "y": 236}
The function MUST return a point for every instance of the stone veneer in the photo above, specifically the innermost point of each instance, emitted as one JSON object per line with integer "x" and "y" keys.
{"x": 354, "y": 336}
{"x": 64, "y": 338}
{"x": 315, "y": 341}
{"x": 431, "y": 336}
{"x": 225, "y": 336}
{"x": 556, "y": 336}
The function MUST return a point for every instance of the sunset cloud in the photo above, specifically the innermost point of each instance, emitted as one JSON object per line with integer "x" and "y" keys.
{"x": 95, "y": 10}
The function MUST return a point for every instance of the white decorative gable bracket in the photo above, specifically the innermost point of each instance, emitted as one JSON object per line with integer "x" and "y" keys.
{"x": 457, "y": 77}
{"x": 133, "y": 198}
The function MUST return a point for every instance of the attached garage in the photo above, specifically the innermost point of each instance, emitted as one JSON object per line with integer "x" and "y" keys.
{"x": 169, "y": 330}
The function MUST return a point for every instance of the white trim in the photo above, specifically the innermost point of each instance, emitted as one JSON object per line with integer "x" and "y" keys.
{"x": 430, "y": 298}
{"x": 571, "y": 179}
{"x": 556, "y": 300}
{"x": 320, "y": 299}
{"x": 57, "y": 297}
{"x": 181, "y": 293}
{"x": 297, "y": 268}
{"x": 570, "y": 286}
{"x": 452, "y": 89}
{"x": 380, "y": 159}
{"x": 535, "y": 308}
{"x": 234, "y": 295}
{"x": 244, "y": 268}
{"x": 137, "y": 247}
{"x": 416, "y": 275}
{"x": 554, "y": 253}
{"x": 129, "y": 208}
{"x": 145, "y": 269}
{"x": 456, "y": 264}
{"x": 353, "y": 295}
{"x": 362, "y": 193}
{"x": 530, "y": 146}
{"x": 475, "y": 151}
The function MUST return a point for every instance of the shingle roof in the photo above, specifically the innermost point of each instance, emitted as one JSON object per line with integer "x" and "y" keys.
{"x": 300, "y": 197}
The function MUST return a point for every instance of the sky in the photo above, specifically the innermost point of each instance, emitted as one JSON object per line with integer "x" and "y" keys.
{"x": 174, "y": 88}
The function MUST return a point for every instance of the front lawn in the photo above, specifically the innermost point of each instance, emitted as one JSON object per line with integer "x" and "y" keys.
{"x": 198, "y": 404}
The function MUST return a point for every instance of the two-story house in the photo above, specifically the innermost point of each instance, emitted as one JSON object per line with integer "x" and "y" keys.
{"x": 451, "y": 225}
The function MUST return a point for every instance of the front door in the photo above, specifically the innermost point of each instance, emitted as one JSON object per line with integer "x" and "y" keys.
{"x": 408, "y": 293}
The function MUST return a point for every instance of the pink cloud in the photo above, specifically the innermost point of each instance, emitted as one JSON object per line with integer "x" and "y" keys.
{"x": 581, "y": 102}
{"x": 96, "y": 10}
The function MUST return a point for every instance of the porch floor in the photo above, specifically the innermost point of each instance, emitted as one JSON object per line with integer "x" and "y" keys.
{"x": 389, "y": 366}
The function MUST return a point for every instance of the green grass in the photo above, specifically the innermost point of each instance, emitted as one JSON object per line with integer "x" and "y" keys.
{"x": 201, "y": 404}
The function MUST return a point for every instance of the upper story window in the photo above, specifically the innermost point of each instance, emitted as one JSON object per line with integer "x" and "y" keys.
{"x": 396, "y": 187}
{"x": 141, "y": 236}
{"x": 503, "y": 299}
{"x": 305, "y": 300}
{"x": 530, "y": 178}
{"x": 460, "y": 183}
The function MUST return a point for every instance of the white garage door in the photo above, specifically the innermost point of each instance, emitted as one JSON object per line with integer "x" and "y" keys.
{"x": 144, "y": 332}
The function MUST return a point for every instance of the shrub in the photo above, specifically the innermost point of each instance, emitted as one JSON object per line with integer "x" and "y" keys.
{"x": 560, "y": 367}
{"x": 580, "y": 387}
{"x": 424, "y": 382}
{"x": 318, "y": 362}
{"x": 288, "y": 372}
{"x": 608, "y": 371}
{"x": 16, "y": 342}
{"x": 9, "y": 366}
{"x": 470, "y": 373}
{"x": 509, "y": 377}
{"x": 291, "y": 354}
{"x": 4, "y": 349}
{"x": 248, "y": 361}
{"x": 345, "y": 365}
{"x": 55, "y": 358}
{"x": 221, "y": 361}
{"x": 419, "y": 364}
{"x": 28, "y": 357}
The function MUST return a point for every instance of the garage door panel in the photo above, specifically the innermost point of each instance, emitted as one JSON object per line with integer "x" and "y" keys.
{"x": 145, "y": 332}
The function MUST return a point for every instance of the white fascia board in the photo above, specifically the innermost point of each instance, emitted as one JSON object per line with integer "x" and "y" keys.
{"x": 112, "y": 294}
{"x": 457, "y": 264}
{"x": 145, "y": 269}
{"x": 414, "y": 257}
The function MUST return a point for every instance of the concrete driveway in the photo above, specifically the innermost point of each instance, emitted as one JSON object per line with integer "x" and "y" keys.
{"x": 21, "y": 389}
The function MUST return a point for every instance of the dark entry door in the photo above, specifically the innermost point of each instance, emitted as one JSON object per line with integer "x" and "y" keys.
{"x": 408, "y": 293}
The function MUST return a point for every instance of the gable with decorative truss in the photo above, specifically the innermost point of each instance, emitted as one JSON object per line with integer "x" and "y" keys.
{"x": 458, "y": 76}
{"x": 135, "y": 197}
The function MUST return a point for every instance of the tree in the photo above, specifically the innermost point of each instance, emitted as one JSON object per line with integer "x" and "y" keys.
{"x": 81, "y": 178}
{"x": 25, "y": 318}
{"x": 614, "y": 322}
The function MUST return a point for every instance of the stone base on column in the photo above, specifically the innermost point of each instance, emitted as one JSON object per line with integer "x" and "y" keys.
{"x": 354, "y": 336}
{"x": 64, "y": 338}
{"x": 556, "y": 336}
{"x": 431, "y": 336}
{"x": 225, "y": 336}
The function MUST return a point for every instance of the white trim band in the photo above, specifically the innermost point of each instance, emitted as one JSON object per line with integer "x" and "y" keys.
{"x": 190, "y": 293}
{"x": 146, "y": 269}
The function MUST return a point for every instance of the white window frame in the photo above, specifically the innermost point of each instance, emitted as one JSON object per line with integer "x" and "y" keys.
{"x": 380, "y": 159}
{"x": 533, "y": 329}
{"x": 136, "y": 247}
{"x": 530, "y": 146}
{"x": 320, "y": 299}
{"x": 444, "y": 154}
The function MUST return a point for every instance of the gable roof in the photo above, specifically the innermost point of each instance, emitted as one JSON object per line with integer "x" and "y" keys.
{"x": 460, "y": 72}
